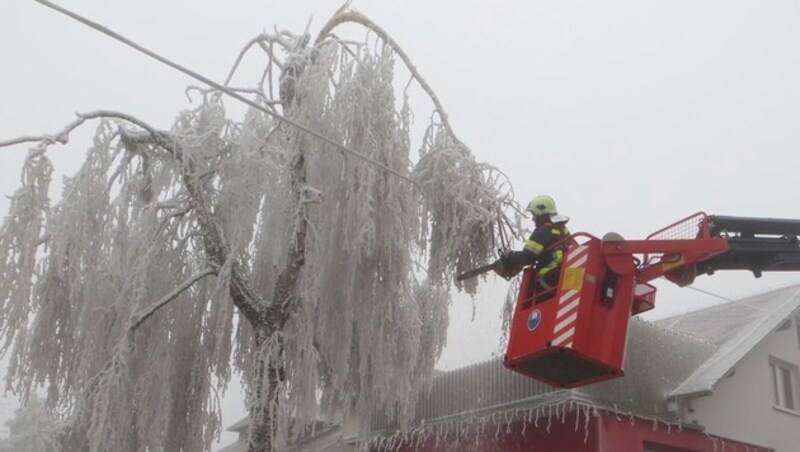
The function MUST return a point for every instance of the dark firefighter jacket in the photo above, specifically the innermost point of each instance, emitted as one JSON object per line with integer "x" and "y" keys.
{"x": 538, "y": 248}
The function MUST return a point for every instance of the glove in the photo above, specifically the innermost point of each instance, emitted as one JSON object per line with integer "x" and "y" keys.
{"x": 506, "y": 270}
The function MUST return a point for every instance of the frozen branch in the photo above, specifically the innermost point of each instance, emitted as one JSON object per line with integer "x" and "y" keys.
{"x": 145, "y": 314}
{"x": 286, "y": 286}
{"x": 245, "y": 100}
{"x": 62, "y": 137}
{"x": 345, "y": 15}
{"x": 256, "y": 92}
{"x": 59, "y": 137}
{"x": 244, "y": 297}
{"x": 259, "y": 40}
{"x": 269, "y": 51}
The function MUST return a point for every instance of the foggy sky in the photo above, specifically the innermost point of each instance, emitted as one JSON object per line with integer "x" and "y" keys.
{"x": 630, "y": 114}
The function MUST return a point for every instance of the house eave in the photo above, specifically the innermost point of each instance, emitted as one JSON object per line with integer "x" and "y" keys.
{"x": 690, "y": 394}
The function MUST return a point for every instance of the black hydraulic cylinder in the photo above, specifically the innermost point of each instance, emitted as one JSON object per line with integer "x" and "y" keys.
{"x": 756, "y": 244}
{"x": 753, "y": 226}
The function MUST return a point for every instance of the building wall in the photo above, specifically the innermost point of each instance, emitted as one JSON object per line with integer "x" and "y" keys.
{"x": 742, "y": 405}
{"x": 607, "y": 432}
{"x": 639, "y": 435}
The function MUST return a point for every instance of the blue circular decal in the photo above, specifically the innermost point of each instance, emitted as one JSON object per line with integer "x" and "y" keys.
{"x": 534, "y": 319}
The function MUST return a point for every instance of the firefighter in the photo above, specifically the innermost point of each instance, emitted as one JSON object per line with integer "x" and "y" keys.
{"x": 538, "y": 250}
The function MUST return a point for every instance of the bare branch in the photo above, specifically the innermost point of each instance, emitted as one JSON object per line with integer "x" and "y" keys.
{"x": 143, "y": 315}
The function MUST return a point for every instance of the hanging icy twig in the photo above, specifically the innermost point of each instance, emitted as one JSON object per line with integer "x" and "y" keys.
{"x": 345, "y": 14}
{"x": 20, "y": 238}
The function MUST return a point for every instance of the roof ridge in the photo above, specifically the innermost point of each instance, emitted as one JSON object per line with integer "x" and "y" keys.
{"x": 730, "y": 303}
{"x": 736, "y": 348}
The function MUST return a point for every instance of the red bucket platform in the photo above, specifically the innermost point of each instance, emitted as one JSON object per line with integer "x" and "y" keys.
{"x": 576, "y": 334}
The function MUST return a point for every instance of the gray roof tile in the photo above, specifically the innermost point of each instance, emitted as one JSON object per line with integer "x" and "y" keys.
{"x": 735, "y": 329}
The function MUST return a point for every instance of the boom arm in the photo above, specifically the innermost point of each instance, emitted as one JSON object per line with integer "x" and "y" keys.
{"x": 703, "y": 244}
{"x": 756, "y": 244}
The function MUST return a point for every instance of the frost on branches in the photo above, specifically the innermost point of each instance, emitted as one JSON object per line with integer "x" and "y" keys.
{"x": 175, "y": 259}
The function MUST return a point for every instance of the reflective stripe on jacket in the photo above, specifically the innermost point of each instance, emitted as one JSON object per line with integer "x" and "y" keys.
{"x": 542, "y": 238}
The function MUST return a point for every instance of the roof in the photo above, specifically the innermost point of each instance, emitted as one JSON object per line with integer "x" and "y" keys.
{"x": 656, "y": 361}
{"x": 310, "y": 436}
{"x": 240, "y": 426}
{"x": 735, "y": 329}
{"x": 680, "y": 356}
{"x": 238, "y": 446}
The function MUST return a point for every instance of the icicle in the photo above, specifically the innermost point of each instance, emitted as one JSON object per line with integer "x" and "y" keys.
{"x": 586, "y": 425}
{"x": 577, "y": 417}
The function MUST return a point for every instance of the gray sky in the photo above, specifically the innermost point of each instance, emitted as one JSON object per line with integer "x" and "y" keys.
{"x": 631, "y": 114}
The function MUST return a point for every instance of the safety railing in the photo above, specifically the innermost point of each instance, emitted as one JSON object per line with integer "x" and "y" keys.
{"x": 690, "y": 228}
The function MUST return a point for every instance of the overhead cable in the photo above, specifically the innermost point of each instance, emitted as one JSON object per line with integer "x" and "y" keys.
{"x": 220, "y": 87}
{"x": 732, "y": 300}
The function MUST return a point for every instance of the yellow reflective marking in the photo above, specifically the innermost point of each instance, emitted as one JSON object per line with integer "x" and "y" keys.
{"x": 534, "y": 246}
{"x": 573, "y": 278}
{"x": 672, "y": 262}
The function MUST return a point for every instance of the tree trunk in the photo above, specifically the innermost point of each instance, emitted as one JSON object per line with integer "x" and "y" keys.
{"x": 265, "y": 402}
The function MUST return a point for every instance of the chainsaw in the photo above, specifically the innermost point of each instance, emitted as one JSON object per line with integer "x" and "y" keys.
{"x": 496, "y": 266}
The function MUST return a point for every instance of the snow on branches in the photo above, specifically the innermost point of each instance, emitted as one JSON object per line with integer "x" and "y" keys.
{"x": 464, "y": 203}
{"x": 128, "y": 313}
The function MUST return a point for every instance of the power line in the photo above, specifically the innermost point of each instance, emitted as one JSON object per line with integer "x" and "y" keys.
{"x": 731, "y": 300}
{"x": 218, "y": 86}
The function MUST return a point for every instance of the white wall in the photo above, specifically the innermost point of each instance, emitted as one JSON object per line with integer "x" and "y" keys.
{"x": 742, "y": 406}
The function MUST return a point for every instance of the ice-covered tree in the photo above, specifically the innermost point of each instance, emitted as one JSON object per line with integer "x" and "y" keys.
{"x": 174, "y": 259}
{"x": 30, "y": 430}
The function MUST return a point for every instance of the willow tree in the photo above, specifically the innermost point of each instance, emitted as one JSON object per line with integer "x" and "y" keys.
{"x": 174, "y": 259}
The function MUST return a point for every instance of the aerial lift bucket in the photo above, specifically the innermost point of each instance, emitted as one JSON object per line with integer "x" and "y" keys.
{"x": 576, "y": 334}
